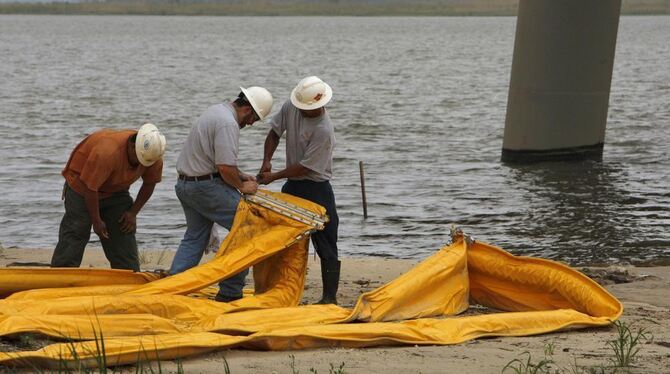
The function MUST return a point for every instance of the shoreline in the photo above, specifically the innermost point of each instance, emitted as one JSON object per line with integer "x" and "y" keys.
{"x": 304, "y": 8}
{"x": 4, "y": 11}
{"x": 644, "y": 291}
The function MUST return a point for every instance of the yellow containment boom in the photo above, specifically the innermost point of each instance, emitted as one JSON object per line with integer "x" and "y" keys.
{"x": 133, "y": 317}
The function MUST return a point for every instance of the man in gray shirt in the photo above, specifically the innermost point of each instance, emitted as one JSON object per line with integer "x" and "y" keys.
{"x": 210, "y": 185}
{"x": 310, "y": 140}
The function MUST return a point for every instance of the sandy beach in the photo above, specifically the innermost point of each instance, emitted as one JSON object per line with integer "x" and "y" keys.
{"x": 644, "y": 292}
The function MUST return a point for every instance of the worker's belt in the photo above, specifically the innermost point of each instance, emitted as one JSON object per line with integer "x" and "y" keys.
{"x": 199, "y": 178}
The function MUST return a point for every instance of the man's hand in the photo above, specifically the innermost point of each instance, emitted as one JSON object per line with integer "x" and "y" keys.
{"x": 265, "y": 178}
{"x": 262, "y": 177}
{"x": 249, "y": 187}
{"x": 128, "y": 222}
{"x": 101, "y": 229}
{"x": 266, "y": 167}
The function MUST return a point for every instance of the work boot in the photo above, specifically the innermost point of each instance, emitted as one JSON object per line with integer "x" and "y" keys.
{"x": 330, "y": 276}
{"x": 226, "y": 299}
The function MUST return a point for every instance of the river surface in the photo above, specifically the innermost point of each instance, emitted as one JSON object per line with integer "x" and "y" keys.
{"x": 420, "y": 100}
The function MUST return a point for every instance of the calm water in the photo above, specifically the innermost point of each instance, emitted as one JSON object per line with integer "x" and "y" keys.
{"x": 420, "y": 100}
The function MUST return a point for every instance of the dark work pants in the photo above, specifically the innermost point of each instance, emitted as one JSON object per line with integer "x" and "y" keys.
{"x": 325, "y": 241}
{"x": 75, "y": 231}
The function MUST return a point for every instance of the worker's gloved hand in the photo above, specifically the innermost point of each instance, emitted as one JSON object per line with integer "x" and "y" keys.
{"x": 128, "y": 222}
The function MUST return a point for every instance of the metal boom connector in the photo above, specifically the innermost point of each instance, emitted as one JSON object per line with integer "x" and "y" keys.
{"x": 287, "y": 209}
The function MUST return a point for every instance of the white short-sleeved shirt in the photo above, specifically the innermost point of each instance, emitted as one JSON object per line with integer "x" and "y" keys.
{"x": 309, "y": 141}
{"x": 213, "y": 140}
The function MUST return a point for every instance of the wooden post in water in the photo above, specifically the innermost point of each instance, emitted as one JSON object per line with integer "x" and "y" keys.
{"x": 365, "y": 203}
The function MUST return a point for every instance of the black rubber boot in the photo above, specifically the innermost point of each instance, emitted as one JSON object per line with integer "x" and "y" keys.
{"x": 226, "y": 299}
{"x": 330, "y": 276}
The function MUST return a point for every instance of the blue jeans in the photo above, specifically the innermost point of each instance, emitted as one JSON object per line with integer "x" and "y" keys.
{"x": 205, "y": 202}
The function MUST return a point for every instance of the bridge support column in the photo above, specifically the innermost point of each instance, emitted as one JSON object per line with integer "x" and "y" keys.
{"x": 561, "y": 77}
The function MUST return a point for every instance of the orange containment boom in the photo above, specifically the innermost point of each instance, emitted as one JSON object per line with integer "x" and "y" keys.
{"x": 129, "y": 316}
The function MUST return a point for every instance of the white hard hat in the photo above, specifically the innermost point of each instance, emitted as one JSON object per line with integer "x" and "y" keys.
{"x": 311, "y": 93}
{"x": 149, "y": 145}
{"x": 260, "y": 99}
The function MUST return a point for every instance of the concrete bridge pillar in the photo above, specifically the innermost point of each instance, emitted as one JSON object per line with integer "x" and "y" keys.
{"x": 561, "y": 77}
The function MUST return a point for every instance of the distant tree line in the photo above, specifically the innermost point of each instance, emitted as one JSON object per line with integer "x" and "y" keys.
{"x": 302, "y": 7}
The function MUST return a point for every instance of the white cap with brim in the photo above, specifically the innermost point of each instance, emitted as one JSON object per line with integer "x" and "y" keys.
{"x": 311, "y": 93}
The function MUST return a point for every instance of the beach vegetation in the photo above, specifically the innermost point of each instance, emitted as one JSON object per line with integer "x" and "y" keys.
{"x": 336, "y": 370}
{"x": 626, "y": 345}
{"x": 549, "y": 349}
{"x": 71, "y": 361}
{"x": 527, "y": 366}
{"x": 226, "y": 368}
{"x": 291, "y": 364}
{"x": 333, "y": 369}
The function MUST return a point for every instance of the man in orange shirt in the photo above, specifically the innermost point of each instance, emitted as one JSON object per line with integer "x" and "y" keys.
{"x": 97, "y": 178}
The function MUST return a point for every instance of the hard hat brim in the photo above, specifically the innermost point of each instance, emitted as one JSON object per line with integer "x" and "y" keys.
{"x": 146, "y": 128}
{"x": 319, "y": 104}
{"x": 260, "y": 115}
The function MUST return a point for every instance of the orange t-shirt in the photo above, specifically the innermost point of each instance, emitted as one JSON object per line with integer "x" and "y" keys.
{"x": 100, "y": 163}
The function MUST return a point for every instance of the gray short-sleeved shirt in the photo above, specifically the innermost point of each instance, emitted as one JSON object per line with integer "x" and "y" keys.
{"x": 213, "y": 140}
{"x": 309, "y": 141}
